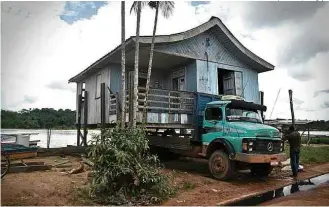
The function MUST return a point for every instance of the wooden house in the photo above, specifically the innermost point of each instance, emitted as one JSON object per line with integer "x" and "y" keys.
{"x": 206, "y": 59}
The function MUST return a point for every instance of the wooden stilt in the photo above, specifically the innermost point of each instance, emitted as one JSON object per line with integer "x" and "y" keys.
{"x": 79, "y": 120}
{"x": 308, "y": 135}
{"x": 292, "y": 108}
{"x": 85, "y": 119}
{"x": 102, "y": 109}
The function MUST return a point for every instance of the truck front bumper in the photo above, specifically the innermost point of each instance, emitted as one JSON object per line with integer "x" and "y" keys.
{"x": 273, "y": 159}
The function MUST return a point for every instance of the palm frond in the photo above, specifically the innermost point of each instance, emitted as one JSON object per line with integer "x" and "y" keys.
{"x": 134, "y": 6}
{"x": 167, "y": 8}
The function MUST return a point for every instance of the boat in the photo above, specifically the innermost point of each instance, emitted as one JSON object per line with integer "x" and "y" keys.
{"x": 19, "y": 138}
{"x": 18, "y": 145}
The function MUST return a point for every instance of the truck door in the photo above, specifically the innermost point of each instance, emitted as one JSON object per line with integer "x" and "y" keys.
{"x": 212, "y": 124}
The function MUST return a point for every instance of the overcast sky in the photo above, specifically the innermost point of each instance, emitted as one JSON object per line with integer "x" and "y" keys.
{"x": 43, "y": 44}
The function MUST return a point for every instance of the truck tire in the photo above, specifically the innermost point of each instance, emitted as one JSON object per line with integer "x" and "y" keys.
{"x": 261, "y": 169}
{"x": 220, "y": 166}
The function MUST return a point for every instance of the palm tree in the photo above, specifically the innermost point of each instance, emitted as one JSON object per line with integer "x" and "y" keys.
{"x": 137, "y": 8}
{"x": 123, "y": 66}
{"x": 167, "y": 8}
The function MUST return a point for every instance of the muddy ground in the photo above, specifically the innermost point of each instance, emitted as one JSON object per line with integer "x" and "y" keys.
{"x": 54, "y": 187}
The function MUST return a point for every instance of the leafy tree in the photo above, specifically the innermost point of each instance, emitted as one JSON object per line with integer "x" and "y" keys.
{"x": 124, "y": 170}
{"x": 38, "y": 119}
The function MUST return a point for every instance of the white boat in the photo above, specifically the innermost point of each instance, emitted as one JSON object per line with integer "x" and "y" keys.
{"x": 19, "y": 138}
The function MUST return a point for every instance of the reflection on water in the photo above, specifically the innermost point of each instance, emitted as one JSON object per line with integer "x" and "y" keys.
{"x": 302, "y": 185}
{"x": 59, "y": 138}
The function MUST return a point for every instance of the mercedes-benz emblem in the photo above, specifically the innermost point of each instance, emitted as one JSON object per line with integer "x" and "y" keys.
{"x": 270, "y": 146}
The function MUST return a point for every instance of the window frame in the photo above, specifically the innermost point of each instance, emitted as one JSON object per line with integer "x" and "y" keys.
{"x": 221, "y": 114}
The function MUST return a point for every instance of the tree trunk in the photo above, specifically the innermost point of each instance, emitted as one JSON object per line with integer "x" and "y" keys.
{"x": 135, "y": 109}
{"x": 123, "y": 66}
{"x": 150, "y": 64}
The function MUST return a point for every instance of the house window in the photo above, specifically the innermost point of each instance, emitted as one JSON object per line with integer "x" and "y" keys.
{"x": 83, "y": 89}
{"x": 230, "y": 82}
{"x": 213, "y": 114}
{"x": 98, "y": 86}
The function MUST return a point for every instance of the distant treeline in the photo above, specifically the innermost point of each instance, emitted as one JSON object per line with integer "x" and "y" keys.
{"x": 38, "y": 119}
{"x": 320, "y": 125}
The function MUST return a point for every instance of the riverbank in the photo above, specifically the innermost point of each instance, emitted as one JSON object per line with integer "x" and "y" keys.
{"x": 194, "y": 184}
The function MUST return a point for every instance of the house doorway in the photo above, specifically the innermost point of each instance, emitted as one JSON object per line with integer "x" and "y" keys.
{"x": 230, "y": 82}
{"x": 178, "y": 84}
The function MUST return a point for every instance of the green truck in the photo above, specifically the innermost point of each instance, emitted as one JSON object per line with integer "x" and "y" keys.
{"x": 230, "y": 134}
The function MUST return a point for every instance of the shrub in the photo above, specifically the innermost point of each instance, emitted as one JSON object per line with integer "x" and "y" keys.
{"x": 124, "y": 170}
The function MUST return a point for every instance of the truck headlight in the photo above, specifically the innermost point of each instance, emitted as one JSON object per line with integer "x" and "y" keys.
{"x": 250, "y": 149}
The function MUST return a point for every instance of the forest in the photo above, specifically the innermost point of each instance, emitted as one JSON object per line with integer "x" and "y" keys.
{"x": 38, "y": 119}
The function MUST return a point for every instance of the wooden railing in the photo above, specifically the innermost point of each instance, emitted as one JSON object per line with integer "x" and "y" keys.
{"x": 113, "y": 104}
{"x": 165, "y": 101}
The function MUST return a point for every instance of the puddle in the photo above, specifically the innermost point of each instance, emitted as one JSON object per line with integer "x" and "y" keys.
{"x": 303, "y": 185}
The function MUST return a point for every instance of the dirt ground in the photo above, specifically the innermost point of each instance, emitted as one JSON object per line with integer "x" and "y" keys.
{"x": 54, "y": 187}
{"x": 304, "y": 198}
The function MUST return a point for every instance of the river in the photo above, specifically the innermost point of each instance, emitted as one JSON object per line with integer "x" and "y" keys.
{"x": 62, "y": 138}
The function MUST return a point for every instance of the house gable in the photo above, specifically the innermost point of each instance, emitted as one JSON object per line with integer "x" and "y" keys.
{"x": 205, "y": 46}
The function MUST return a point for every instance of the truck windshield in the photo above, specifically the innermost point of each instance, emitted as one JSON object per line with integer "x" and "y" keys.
{"x": 243, "y": 115}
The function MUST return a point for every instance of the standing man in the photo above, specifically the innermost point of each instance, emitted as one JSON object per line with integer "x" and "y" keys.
{"x": 294, "y": 140}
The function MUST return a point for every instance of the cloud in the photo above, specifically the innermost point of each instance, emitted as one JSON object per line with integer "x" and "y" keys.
{"x": 78, "y": 10}
{"x": 325, "y": 104}
{"x": 316, "y": 93}
{"x": 30, "y": 99}
{"x": 306, "y": 39}
{"x": 61, "y": 85}
{"x": 272, "y": 14}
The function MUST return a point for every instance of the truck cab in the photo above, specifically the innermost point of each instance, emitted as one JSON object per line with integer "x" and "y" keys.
{"x": 234, "y": 135}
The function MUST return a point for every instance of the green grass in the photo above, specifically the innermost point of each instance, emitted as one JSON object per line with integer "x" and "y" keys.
{"x": 316, "y": 140}
{"x": 188, "y": 185}
{"x": 311, "y": 154}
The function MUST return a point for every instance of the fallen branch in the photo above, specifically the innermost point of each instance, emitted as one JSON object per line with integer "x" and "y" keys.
{"x": 61, "y": 163}
{"x": 87, "y": 162}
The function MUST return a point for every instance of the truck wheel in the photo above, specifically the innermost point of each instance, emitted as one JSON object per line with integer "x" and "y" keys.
{"x": 261, "y": 169}
{"x": 220, "y": 166}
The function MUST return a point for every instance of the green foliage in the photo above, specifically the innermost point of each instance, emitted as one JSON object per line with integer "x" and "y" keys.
{"x": 188, "y": 185}
{"x": 124, "y": 170}
{"x": 38, "y": 119}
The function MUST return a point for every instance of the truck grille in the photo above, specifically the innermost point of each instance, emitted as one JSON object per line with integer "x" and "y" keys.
{"x": 267, "y": 146}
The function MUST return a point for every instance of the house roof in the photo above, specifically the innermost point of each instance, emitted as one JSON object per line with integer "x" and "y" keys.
{"x": 214, "y": 23}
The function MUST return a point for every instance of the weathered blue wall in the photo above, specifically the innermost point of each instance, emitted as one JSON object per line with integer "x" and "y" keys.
{"x": 191, "y": 77}
{"x": 115, "y": 78}
{"x": 199, "y": 48}
{"x": 207, "y": 79}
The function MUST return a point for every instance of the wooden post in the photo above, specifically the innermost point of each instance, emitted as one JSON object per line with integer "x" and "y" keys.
{"x": 79, "y": 119}
{"x": 85, "y": 119}
{"x": 261, "y": 93}
{"x": 131, "y": 96}
{"x": 292, "y": 108}
{"x": 48, "y": 137}
{"x": 102, "y": 109}
{"x": 308, "y": 135}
